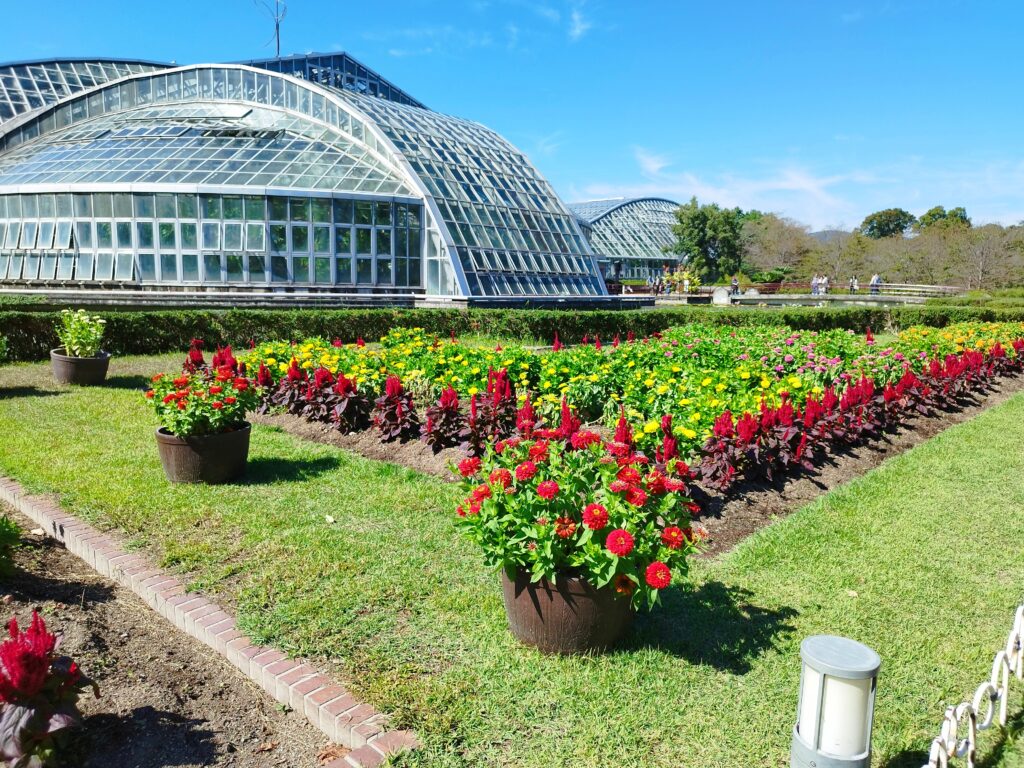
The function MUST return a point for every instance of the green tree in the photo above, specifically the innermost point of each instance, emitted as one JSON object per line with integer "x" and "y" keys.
{"x": 711, "y": 238}
{"x": 887, "y": 223}
{"x": 940, "y": 217}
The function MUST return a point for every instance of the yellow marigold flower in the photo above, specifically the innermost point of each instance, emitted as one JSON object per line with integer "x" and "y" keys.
{"x": 706, "y": 382}
{"x": 650, "y": 427}
{"x": 688, "y": 433}
{"x": 695, "y": 417}
{"x": 473, "y": 390}
{"x": 662, "y": 389}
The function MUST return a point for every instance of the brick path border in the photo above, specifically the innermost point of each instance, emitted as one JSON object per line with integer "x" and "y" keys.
{"x": 326, "y": 704}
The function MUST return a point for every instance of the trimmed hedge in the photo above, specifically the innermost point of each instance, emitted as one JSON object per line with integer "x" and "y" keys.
{"x": 30, "y": 334}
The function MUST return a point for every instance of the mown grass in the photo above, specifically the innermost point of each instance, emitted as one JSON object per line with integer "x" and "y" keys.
{"x": 921, "y": 559}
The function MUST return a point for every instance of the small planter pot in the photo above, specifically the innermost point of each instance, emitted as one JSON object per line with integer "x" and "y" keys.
{"x": 84, "y": 371}
{"x": 217, "y": 458}
{"x": 568, "y": 617}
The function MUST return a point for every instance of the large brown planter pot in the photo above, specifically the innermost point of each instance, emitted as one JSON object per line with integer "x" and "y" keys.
{"x": 215, "y": 458}
{"x": 85, "y": 371}
{"x": 568, "y": 617}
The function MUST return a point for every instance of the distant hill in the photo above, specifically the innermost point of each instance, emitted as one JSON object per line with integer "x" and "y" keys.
{"x": 828, "y": 235}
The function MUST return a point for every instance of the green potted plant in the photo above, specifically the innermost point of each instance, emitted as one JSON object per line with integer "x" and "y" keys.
{"x": 203, "y": 437}
{"x": 584, "y": 530}
{"x": 79, "y": 358}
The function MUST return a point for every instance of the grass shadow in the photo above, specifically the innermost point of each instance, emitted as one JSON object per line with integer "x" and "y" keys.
{"x": 34, "y": 588}
{"x": 9, "y": 393}
{"x": 267, "y": 470}
{"x": 146, "y": 736}
{"x": 715, "y": 625}
{"x": 128, "y": 382}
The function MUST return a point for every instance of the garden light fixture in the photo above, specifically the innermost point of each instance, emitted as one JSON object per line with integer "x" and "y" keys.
{"x": 837, "y": 703}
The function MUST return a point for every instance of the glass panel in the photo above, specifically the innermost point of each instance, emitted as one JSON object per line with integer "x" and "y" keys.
{"x": 124, "y": 234}
{"x": 257, "y": 268}
{"x": 147, "y": 267}
{"x": 102, "y": 206}
{"x": 300, "y": 269}
{"x": 211, "y": 206}
{"x": 186, "y": 206}
{"x": 236, "y": 267}
{"x": 144, "y": 206}
{"x": 344, "y": 267}
{"x": 211, "y": 235}
{"x": 232, "y": 237}
{"x": 169, "y": 267}
{"x": 188, "y": 236}
{"x": 364, "y": 271}
{"x": 28, "y": 235}
{"x": 384, "y": 271}
{"x": 322, "y": 270}
{"x": 321, "y": 239}
{"x": 31, "y": 269}
{"x": 299, "y": 207}
{"x": 104, "y": 234}
{"x": 364, "y": 213}
{"x": 105, "y": 266}
{"x": 122, "y": 206}
{"x": 255, "y": 209}
{"x": 167, "y": 238}
{"x": 321, "y": 210}
{"x": 64, "y": 206}
{"x": 278, "y": 238}
{"x": 165, "y": 207}
{"x": 65, "y": 266}
{"x": 233, "y": 208}
{"x": 144, "y": 233}
{"x": 48, "y": 267}
{"x": 255, "y": 237}
{"x": 383, "y": 213}
{"x": 5, "y": 261}
{"x": 83, "y": 206}
{"x": 279, "y": 269}
{"x": 342, "y": 240}
{"x": 125, "y": 267}
{"x": 190, "y": 267}
{"x": 384, "y": 242}
{"x": 14, "y": 271}
{"x": 13, "y": 234}
{"x": 300, "y": 238}
{"x": 211, "y": 262}
{"x": 363, "y": 242}
{"x": 343, "y": 211}
{"x": 279, "y": 209}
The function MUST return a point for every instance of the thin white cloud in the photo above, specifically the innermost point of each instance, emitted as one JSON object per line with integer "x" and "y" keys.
{"x": 427, "y": 40}
{"x": 579, "y": 25}
{"x": 650, "y": 162}
{"x": 511, "y": 36}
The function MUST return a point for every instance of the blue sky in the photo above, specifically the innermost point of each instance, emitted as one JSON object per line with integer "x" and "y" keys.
{"x": 820, "y": 111}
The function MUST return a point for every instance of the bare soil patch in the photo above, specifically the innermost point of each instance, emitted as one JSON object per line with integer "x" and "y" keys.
{"x": 166, "y": 699}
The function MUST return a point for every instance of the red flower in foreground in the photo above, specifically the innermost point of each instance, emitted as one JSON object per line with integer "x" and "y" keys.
{"x": 229, "y": 400}
{"x": 150, "y": 394}
{"x": 629, "y": 475}
{"x": 181, "y": 381}
{"x": 673, "y": 537}
{"x": 469, "y": 466}
{"x": 658, "y": 576}
{"x": 216, "y": 390}
{"x": 525, "y": 471}
{"x": 620, "y": 542}
{"x": 618, "y": 486}
{"x": 216, "y": 405}
{"x": 539, "y": 451}
{"x": 595, "y": 517}
{"x": 564, "y": 527}
{"x": 482, "y": 492}
{"x": 547, "y": 490}
{"x": 585, "y": 438}
{"x": 25, "y": 660}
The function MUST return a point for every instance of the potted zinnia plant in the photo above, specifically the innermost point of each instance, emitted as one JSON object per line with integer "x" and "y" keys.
{"x": 585, "y": 530}
{"x": 79, "y": 358}
{"x": 203, "y": 437}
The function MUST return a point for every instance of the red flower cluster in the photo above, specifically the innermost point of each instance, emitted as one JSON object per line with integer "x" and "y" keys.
{"x": 25, "y": 659}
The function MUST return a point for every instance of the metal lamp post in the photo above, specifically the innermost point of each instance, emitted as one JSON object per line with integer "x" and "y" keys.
{"x": 837, "y": 703}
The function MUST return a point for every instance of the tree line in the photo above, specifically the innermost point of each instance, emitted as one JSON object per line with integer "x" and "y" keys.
{"x": 941, "y": 247}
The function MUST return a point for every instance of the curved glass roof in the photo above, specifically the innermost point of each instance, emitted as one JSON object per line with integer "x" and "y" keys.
{"x": 629, "y": 227}
{"x": 501, "y": 225}
{"x": 29, "y": 85}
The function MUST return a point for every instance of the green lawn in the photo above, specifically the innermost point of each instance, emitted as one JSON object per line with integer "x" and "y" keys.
{"x": 921, "y": 559}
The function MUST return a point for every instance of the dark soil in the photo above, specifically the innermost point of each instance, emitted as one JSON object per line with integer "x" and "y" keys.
{"x": 748, "y": 506}
{"x": 166, "y": 700}
{"x": 412, "y": 453}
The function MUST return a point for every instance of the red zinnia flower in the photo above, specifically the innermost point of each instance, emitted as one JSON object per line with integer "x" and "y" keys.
{"x": 539, "y": 451}
{"x": 181, "y": 381}
{"x": 618, "y": 486}
{"x": 216, "y": 390}
{"x": 216, "y": 405}
{"x": 182, "y": 405}
{"x": 673, "y": 537}
{"x": 620, "y": 542}
{"x": 230, "y": 400}
{"x": 501, "y": 477}
{"x": 656, "y": 482}
{"x": 636, "y": 496}
{"x": 150, "y": 394}
{"x": 481, "y": 492}
{"x": 241, "y": 384}
{"x": 585, "y": 438}
{"x": 629, "y": 475}
{"x": 525, "y": 471}
{"x": 547, "y": 490}
{"x": 469, "y": 466}
{"x": 657, "y": 575}
{"x": 595, "y": 517}
{"x": 564, "y": 527}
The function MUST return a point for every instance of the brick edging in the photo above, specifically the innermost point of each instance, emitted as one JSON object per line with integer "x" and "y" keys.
{"x": 325, "y": 703}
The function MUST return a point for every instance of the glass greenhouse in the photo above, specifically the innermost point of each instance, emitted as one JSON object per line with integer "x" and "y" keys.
{"x": 303, "y": 174}
{"x": 631, "y": 236}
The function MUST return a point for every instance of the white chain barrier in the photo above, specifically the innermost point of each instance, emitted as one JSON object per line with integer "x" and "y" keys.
{"x": 981, "y": 713}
